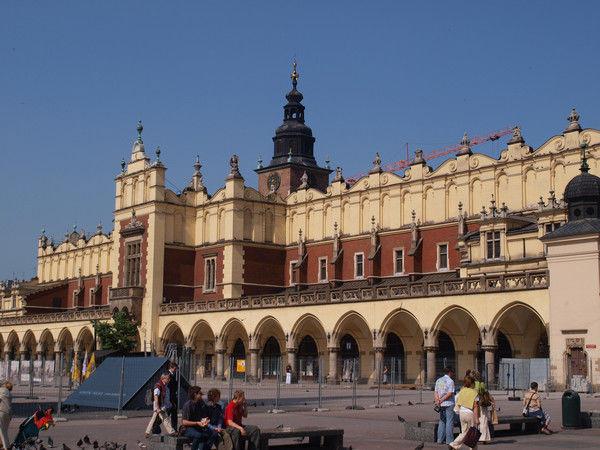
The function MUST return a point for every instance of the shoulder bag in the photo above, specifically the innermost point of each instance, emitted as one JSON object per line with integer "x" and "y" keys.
{"x": 472, "y": 437}
{"x": 526, "y": 409}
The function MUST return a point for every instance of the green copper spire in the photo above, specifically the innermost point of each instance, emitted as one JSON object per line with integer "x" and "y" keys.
{"x": 585, "y": 168}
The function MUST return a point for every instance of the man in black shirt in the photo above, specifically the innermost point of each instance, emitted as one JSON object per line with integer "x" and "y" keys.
{"x": 173, "y": 397}
{"x": 196, "y": 421}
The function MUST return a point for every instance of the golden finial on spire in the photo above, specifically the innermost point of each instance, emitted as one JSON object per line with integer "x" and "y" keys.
{"x": 294, "y": 75}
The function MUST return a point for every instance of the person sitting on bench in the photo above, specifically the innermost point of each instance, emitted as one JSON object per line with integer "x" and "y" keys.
{"x": 532, "y": 403}
{"x": 196, "y": 420}
{"x": 234, "y": 412}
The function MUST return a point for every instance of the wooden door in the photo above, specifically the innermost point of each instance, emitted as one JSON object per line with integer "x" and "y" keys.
{"x": 578, "y": 362}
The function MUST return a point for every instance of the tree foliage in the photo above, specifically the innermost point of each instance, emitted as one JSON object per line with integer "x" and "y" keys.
{"x": 120, "y": 335}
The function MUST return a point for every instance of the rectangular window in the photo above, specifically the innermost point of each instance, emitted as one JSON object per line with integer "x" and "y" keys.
{"x": 442, "y": 257}
{"x": 322, "y": 270}
{"x": 359, "y": 265}
{"x": 493, "y": 244}
{"x": 550, "y": 227}
{"x": 133, "y": 262}
{"x": 210, "y": 274}
{"x": 398, "y": 261}
{"x": 293, "y": 273}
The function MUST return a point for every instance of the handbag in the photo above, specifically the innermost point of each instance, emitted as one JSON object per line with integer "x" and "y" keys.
{"x": 494, "y": 417}
{"x": 526, "y": 409}
{"x": 472, "y": 437}
{"x": 437, "y": 408}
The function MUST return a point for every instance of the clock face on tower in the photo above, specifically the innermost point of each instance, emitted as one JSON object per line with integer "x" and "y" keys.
{"x": 273, "y": 182}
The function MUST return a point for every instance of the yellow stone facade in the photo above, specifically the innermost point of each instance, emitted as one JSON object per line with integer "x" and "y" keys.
{"x": 472, "y": 299}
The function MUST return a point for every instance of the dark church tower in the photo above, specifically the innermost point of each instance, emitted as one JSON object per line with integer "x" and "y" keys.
{"x": 293, "y": 152}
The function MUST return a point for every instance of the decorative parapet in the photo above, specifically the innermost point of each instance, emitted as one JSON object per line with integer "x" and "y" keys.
{"x": 87, "y": 315}
{"x": 459, "y": 286}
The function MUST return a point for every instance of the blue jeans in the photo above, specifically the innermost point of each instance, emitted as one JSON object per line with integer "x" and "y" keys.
{"x": 446, "y": 425}
{"x": 201, "y": 439}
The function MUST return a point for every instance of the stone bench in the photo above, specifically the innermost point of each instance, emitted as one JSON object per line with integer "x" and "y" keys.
{"x": 426, "y": 431}
{"x": 161, "y": 442}
{"x": 305, "y": 437}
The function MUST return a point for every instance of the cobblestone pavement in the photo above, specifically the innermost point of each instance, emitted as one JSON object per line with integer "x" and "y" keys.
{"x": 372, "y": 428}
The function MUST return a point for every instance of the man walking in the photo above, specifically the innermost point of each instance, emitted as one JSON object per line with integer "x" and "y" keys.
{"x": 160, "y": 406}
{"x": 444, "y": 399}
{"x": 173, "y": 393}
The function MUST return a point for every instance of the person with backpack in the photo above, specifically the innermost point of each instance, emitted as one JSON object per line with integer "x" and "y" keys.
{"x": 486, "y": 407}
{"x": 160, "y": 406}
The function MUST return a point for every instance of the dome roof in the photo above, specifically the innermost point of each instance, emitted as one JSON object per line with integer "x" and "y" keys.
{"x": 584, "y": 185}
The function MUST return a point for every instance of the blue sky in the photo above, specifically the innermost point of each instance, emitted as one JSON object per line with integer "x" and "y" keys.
{"x": 209, "y": 78}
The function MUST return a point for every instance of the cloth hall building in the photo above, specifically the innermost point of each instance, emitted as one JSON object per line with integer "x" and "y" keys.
{"x": 476, "y": 260}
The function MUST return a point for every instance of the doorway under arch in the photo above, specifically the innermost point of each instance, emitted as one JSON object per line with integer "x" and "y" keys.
{"x": 394, "y": 360}
{"x": 446, "y": 355}
{"x": 349, "y": 353}
{"x": 308, "y": 359}
{"x": 238, "y": 359}
{"x": 271, "y": 357}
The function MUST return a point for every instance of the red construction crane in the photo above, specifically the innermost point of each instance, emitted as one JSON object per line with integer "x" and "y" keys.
{"x": 471, "y": 142}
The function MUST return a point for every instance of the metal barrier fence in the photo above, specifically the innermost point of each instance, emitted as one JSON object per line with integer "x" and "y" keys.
{"x": 394, "y": 381}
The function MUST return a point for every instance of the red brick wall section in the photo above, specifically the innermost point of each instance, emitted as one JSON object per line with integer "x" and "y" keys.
{"x": 45, "y": 299}
{"x": 291, "y": 254}
{"x": 431, "y": 238}
{"x": 179, "y": 271}
{"x": 263, "y": 266}
{"x": 200, "y": 255}
{"x": 144, "y": 238}
{"x": 424, "y": 260}
{"x": 64, "y": 293}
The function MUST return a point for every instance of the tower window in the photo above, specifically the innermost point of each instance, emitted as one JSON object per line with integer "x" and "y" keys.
{"x": 133, "y": 262}
{"x": 210, "y": 272}
{"x": 493, "y": 244}
{"x": 322, "y": 270}
{"x": 293, "y": 278}
{"x": 442, "y": 257}
{"x": 359, "y": 265}
{"x": 399, "y": 261}
{"x": 550, "y": 227}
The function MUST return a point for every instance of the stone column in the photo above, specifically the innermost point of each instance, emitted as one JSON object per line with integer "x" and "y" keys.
{"x": 253, "y": 372}
{"x": 378, "y": 364}
{"x": 200, "y": 364}
{"x": 333, "y": 356}
{"x": 490, "y": 364}
{"x": 431, "y": 352}
{"x": 291, "y": 361}
{"x": 220, "y": 364}
{"x": 22, "y": 353}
